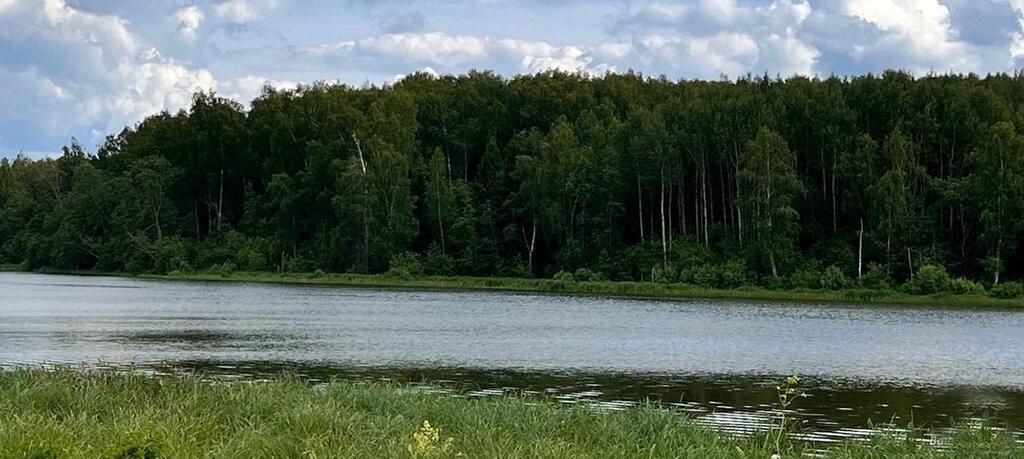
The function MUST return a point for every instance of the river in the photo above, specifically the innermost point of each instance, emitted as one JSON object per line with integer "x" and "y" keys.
{"x": 719, "y": 359}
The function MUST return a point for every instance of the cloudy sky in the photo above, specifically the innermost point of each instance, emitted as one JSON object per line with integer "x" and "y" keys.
{"x": 86, "y": 68}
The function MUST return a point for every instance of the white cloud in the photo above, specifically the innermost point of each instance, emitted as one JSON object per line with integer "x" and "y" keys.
{"x": 457, "y": 53}
{"x": 434, "y": 47}
{"x": 917, "y": 30}
{"x": 723, "y": 11}
{"x": 105, "y": 76}
{"x": 247, "y": 88}
{"x": 243, "y": 11}
{"x": 187, "y": 22}
{"x": 730, "y": 53}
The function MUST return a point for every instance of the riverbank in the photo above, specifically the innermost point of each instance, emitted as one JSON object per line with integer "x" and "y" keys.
{"x": 73, "y": 414}
{"x": 605, "y": 288}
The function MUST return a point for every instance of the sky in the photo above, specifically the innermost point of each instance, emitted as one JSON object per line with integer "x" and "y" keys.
{"x": 87, "y": 68}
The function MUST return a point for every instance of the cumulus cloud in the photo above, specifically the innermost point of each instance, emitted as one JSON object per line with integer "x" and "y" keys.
{"x": 457, "y": 53}
{"x": 714, "y": 37}
{"x": 246, "y": 89}
{"x": 917, "y": 31}
{"x": 187, "y": 22}
{"x": 243, "y": 11}
{"x": 105, "y": 76}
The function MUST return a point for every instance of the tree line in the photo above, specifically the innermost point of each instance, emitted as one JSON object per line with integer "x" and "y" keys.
{"x": 759, "y": 180}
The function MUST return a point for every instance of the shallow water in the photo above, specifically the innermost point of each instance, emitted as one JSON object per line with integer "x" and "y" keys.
{"x": 718, "y": 359}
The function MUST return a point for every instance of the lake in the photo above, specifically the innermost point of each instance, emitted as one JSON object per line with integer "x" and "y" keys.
{"x": 718, "y": 359}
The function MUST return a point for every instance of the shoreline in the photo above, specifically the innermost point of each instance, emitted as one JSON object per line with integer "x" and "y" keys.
{"x": 67, "y": 413}
{"x": 599, "y": 289}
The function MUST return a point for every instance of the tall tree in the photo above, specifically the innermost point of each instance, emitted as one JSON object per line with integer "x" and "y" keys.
{"x": 998, "y": 180}
{"x": 769, "y": 184}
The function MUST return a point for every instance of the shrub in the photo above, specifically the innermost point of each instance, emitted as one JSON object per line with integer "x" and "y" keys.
{"x": 438, "y": 263}
{"x": 405, "y": 265}
{"x": 565, "y": 276}
{"x": 733, "y": 274}
{"x": 666, "y": 275}
{"x": 962, "y": 286}
{"x": 805, "y": 279}
{"x": 1008, "y": 290}
{"x": 223, "y": 269}
{"x": 584, "y": 275}
{"x": 929, "y": 279}
{"x": 876, "y": 277}
{"x": 251, "y": 259}
{"x": 774, "y": 283}
{"x": 172, "y": 255}
{"x": 709, "y": 275}
{"x": 833, "y": 278}
{"x": 295, "y": 265}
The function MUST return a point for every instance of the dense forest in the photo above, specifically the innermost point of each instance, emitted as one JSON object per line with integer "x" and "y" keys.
{"x": 870, "y": 180}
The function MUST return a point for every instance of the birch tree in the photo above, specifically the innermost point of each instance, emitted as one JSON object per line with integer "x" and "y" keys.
{"x": 769, "y": 183}
{"x": 998, "y": 180}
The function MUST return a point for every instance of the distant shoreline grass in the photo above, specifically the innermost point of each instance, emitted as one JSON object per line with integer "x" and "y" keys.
{"x": 648, "y": 290}
{"x": 643, "y": 290}
{"x": 75, "y": 414}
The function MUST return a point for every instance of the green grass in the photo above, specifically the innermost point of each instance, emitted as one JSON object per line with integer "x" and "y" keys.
{"x": 620, "y": 289}
{"x": 72, "y": 414}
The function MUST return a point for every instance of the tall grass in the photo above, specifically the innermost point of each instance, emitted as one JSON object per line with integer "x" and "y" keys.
{"x": 71, "y": 414}
{"x": 607, "y": 288}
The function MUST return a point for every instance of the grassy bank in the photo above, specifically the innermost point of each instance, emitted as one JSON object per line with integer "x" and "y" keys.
{"x": 620, "y": 289}
{"x": 67, "y": 414}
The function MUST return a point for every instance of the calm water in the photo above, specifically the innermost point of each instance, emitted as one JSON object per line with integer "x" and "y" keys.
{"x": 720, "y": 359}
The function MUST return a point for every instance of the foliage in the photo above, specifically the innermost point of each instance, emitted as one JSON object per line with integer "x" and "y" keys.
{"x": 875, "y": 277}
{"x": 834, "y": 279}
{"x": 564, "y": 276}
{"x": 929, "y": 279}
{"x": 805, "y": 278}
{"x": 584, "y": 275}
{"x": 961, "y": 286}
{"x": 1008, "y": 290}
{"x": 405, "y": 265}
{"x": 624, "y": 177}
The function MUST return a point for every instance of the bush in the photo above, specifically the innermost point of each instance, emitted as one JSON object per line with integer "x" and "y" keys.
{"x": 565, "y": 276}
{"x": 405, "y": 265}
{"x": 929, "y": 279}
{"x": 585, "y": 275}
{"x": 805, "y": 279}
{"x": 876, "y": 277}
{"x": 733, "y": 274}
{"x": 709, "y": 275}
{"x": 663, "y": 275}
{"x": 774, "y": 283}
{"x": 962, "y": 286}
{"x": 833, "y": 278}
{"x": 295, "y": 265}
{"x": 1008, "y": 290}
{"x": 251, "y": 259}
{"x": 438, "y": 263}
{"x": 223, "y": 269}
{"x": 172, "y": 255}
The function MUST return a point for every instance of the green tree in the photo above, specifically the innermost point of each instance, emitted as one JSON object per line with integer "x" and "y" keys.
{"x": 998, "y": 180}
{"x": 769, "y": 184}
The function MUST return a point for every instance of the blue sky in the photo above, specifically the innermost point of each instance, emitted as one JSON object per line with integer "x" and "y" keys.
{"x": 86, "y": 68}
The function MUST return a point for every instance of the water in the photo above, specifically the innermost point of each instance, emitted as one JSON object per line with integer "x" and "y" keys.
{"x": 717, "y": 359}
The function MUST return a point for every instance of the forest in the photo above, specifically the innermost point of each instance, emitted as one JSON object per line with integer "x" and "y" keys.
{"x": 870, "y": 181}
